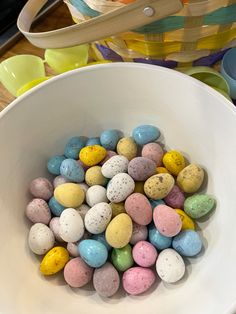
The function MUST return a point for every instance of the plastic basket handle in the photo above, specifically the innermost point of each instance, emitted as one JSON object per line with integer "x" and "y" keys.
{"x": 129, "y": 17}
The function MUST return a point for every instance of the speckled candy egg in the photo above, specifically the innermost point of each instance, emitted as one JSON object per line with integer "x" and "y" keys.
{"x": 154, "y": 203}
{"x": 72, "y": 248}
{"x": 74, "y": 146}
{"x": 40, "y": 239}
{"x": 175, "y": 198}
{"x": 84, "y": 187}
{"x": 71, "y": 170}
{"x": 137, "y": 280}
{"x": 60, "y": 180}
{"x": 93, "y": 141}
{"x": 166, "y": 220}
{"x": 174, "y": 162}
{"x": 38, "y": 211}
{"x": 114, "y": 165}
{"x": 94, "y": 176}
{"x": 141, "y": 168}
{"x": 54, "y": 164}
{"x": 127, "y": 147}
{"x": 190, "y": 178}
{"x": 139, "y": 209}
{"x": 162, "y": 170}
{"x": 119, "y": 231}
{"x": 139, "y": 233}
{"x": 92, "y": 155}
{"x": 96, "y": 194}
{"x": 77, "y": 273}
{"x": 106, "y": 280}
{"x": 71, "y": 225}
{"x": 82, "y": 210}
{"x": 97, "y": 218}
{"x": 54, "y": 261}
{"x": 41, "y": 188}
{"x": 198, "y": 205}
{"x": 160, "y": 241}
{"x": 55, "y": 207}
{"x": 187, "y": 243}
{"x": 54, "y": 225}
{"x": 120, "y": 187}
{"x": 144, "y": 134}
{"x": 154, "y": 152}
{"x": 117, "y": 208}
{"x": 159, "y": 186}
{"x": 69, "y": 195}
{"x": 101, "y": 238}
{"x": 187, "y": 222}
{"x": 110, "y": 153}
{"x": 144, "y": 254}
{"x": 93, "y": 252}
{"x": 109, "y": 139}
{"x": 170, "y": 266}
{"x": 122, "y": 258}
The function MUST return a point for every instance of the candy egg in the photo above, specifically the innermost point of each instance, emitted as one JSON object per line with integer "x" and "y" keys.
{"x": 174, "y": 162}
{"x": 69, "y": 195}
{"x": 120, "y": 187}
{"x": 166, "y": 220}
{"x": 114, "y": 165}
{"x": 198, "y": 205}
{"x": 139, "y": 209}
{"x": 139, "y": 233}
{"x": 92, "y": 155}
{"x": 161, "y": 170}
{"x": 94, "y": 176}
{"x": 41, "y": 188}
{"x": 137, "y": 280}
{"x": 154, "y": 203}
{"x": 175, "y": 198}
{"x": 187, "y": 243}
{"x": 159, "y": 186}
{"x": 190, "y": 178}
{"x": 139, "y": 187}
{"x": 77, "y": 273}
{"x": 144, "y": 134}
{"x": 127, "y": 147}
{"x": 160, "y": 241}
{"x": 54, "y": 164}
{"x": 74, "y": 146}
{"x": 93, "y": 141}
{"x": 109, "y": 139}
{"x": 96, "y": 194}
{"x": 110, "y": 154}
{"x": 84, "y": 187}
{"x": 101, "y": 238}
{"x": 38, "y": 211}
{"x": 72, "y": 248}
{"x": 54, "y": 225}
{"x": 119, "y": 231}
{"x": 93, "y": 252}
{"x": 40, "y": 239}
{"x": 106, "y": 280}
{"x": 82, "y": 210}
{"x": 71, "y": 170}
{"x": 170, "y": 266}
{"x": 55, "y": 207}
{"x": 187, "y": 222}
{"x": 54, "y": 261}
{"x": 122, "y": 258}
{"x": 60, "y": 180}
{"x": 141, "y": 168}
{"x": 71, "y": 225}
{"x": 117, "y": 208}
{"x": 144, "y": 254}
{"x": 98, "y": 217}
{"x": 154, "y": 152}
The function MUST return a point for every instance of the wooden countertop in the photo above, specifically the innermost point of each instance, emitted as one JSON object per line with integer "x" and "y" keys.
{"x": 59, "y": 17}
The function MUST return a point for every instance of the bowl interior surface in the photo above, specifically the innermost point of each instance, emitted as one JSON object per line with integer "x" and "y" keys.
{"x": 193, "y": 118}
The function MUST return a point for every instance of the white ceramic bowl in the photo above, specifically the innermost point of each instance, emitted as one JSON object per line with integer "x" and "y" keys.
{"x": 193, "y": 119}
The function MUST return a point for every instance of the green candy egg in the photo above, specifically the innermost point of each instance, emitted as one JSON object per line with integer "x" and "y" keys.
{"x": 122, "y": 258}
{"x": 198, "y": 205}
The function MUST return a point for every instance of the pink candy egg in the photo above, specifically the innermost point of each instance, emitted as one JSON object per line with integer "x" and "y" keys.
{"x": 41, "y": 188}
{"x": 175, "y": 198}
{"x": 140, "y": 168}
{"x": 139, "y": 233}
{"x": 166, "y": 220}
{"x": 137, "y": 280}
{"x": 154, "y": 152}
{"x": 110, "y": 154}
{"x": 38, "y": 211}
{"x": 144, "y": 254}
{"x": 77, "y": 273}
{"x": 72, "y": 248}
{"x": 54, "y": 226}
{"x": 139, "y": 209}
{"x": 60, "y": 180}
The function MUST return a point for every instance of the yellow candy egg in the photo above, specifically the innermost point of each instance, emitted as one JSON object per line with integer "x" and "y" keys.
{"x": 139, "y": 187}
{"x": 93, "y": 176}
{"x": 158, "y": 186}
{"x": 174, "y": 162}
{"x": 92, "y": 155}
{"x": 119, "y": 231}
{"x": 187, "y": 222}
{"x": 190, "y": 178}
{"x": 54, "y": 261}
{"x": 162, "y": 170}
{"x": 69, "y": 195}
{"x": 117, "y": 208}
{"x": 127, "y": 147}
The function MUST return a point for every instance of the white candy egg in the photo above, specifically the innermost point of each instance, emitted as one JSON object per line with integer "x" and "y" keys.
{"x": 96, "y": 194}
{"x": 40, "y": 239}
{"x": 114, "y": 165}
{"x": 71, "y": 225}
{"x": 170, "y": 266}
{"x": 120, "y": 187}
{"x": 98, "y": 217}
{"x": 54, "y": 226}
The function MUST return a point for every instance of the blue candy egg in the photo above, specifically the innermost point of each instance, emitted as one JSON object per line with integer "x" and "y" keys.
{"x": 109, "y": 139}
{"x": 101, "y": 238}
{"x": 54, "y": 164}
{"x": 55, "y": 207}
{"x": 70, "y": 169}
{"x": 93, "y": 141}
{"x": 187, "y": 243}
{"x": 74, "y": 146}
{"x": 160, "y": 241}
{"x": 155, "y": 203}
{"x": 93, "y": 252}
{"x": 144, "y": 134}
